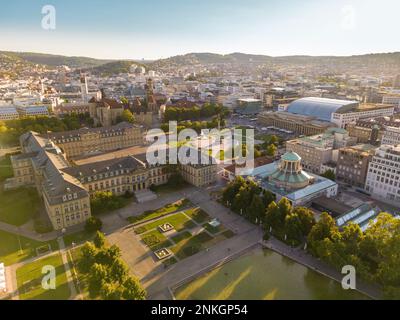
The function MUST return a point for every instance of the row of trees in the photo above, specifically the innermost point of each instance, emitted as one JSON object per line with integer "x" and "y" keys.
{"x": 195, "y": 125}
{"x": 246, "y": 198}
{"x": 195, "y": 113}
{"x": 11, "y": 130}
{"x": 374, "y": 253}
{"x": 107, "y": 274}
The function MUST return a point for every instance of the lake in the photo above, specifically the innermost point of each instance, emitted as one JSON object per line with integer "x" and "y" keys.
{"x": 264, "y": 275}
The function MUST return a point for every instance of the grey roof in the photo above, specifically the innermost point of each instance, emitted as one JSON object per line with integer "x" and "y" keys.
{"x": 48, "y": 159}
{"x": 102, "y": 130}
{"x": 321, "y": 108}
{"x": 127, "y": 163}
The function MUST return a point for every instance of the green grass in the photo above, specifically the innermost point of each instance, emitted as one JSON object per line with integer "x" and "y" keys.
{"x": 76, "y": 257}
{"x": 191, "y": 246}
{"x": 5, "y": 169}
{"x": 10, "y": 249}
{"x": 155, "y": 240}
{"x": 182, "y": 236}
{"x": 29, "y": 280}
{"x": 179, "y": 221}
{"x": 78, "y": 237}
{"x": 149, "y": 215}
{"x": 197, "y": 215}
{"x": 18, "y": 206}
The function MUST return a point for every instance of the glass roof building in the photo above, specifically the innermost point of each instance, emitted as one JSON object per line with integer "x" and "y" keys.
{"x": 286, "y": 178}
{"x": 321, "y": 108}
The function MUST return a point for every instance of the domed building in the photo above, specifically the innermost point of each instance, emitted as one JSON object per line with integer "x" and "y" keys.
{"x": 289, "y": 174}
{"x": 286, "y": 178}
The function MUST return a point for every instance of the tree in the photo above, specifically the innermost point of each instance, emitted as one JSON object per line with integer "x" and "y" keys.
{"x": 88, "y": 252}
{"x": 133, "y": 290}
{"x": 325, "y": 228}
{"x": 271, "y": 150}
{"x": 273, "y": 216}
{"x": 93, "y": 224}
{"x": 99, "y": 240}
{"x": 329, "y": 174}
{"x": 111, "y": 291}
{"x": 307, "y": 219}
{"x": 98, "y": 276}
{"x": 267, "y": 197}
{"x": 127, "y": 116}
{"x": 285, "y": 208}
{"x": 257, "y": 210}
{"x": 119, "y": 271}
{"x": 242, "y": 200}
{"x": 293, "y": 227}
{"x": 229, "y": 193}
{"x": 108, "y": 256}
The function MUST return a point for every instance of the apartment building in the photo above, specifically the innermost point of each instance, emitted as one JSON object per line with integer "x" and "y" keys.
{"x": 316, "y": 151}
{"x": 391, "y": 136}
{"x": 383, "y": 178}
{"x": 88, "y": 141}
{"x": 342, "y": 119}
{"x": 8, "y": 113}
{"x": 352, "y": 164}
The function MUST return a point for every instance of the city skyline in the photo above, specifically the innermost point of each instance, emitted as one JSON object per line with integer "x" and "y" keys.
{"x": 342, "y": 28}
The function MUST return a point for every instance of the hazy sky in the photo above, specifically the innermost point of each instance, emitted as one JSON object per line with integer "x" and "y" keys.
{"x": 152, "y": 29}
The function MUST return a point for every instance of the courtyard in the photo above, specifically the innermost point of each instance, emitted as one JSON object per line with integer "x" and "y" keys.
{"x": 180, "y": 234}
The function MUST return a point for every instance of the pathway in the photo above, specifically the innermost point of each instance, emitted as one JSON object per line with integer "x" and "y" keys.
{"x": 63, "y": 252}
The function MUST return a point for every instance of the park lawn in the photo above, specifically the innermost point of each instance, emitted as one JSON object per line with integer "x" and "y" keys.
{"x": 155, "y": 240}
{"x": 5, "y": 169}
{"x": 78, "y": 237}
{"x": 179, "y": 221}
{"x": 188, "y": 247}
{"x": 29, "y": 280}
{"x": 181, "y": 236}
{"x": 170, "y": 208}
{"x": 197, "y": 215}
{"x": 10, "y": 249}
{"x": 18, "y": 206}
{"x": 74, "y": 258}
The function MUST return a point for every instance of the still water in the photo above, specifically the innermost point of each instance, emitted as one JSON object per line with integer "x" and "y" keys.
{"x": 264, "y": 275}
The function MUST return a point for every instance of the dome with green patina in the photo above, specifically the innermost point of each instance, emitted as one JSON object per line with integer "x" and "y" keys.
{"x": 289, "y": 173}
{"x": 291, "y": 156}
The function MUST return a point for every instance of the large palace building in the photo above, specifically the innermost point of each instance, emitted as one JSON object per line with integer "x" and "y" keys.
{"x": 66, "y": 189}
{"x": 86, "y": 141}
